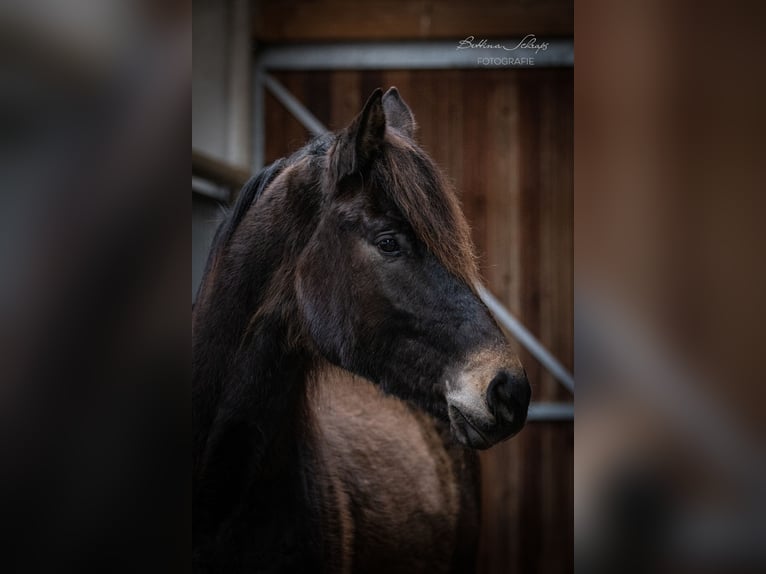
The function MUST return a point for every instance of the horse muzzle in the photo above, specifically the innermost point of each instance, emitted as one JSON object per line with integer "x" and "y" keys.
{"x": 480, "y": 420}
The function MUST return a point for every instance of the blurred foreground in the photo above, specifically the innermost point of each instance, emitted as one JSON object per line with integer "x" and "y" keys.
{"x": 670, "y": 465}
{"x": 95, "y": 108}
{"x": 94, "y": 361}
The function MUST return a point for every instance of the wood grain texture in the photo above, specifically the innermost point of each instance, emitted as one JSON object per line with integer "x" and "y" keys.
{"x": 324, "y": 20}
{"x": 504, "y": 138}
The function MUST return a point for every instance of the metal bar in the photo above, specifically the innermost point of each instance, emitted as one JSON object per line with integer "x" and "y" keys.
{"x": 296, "y": 108}
{"x": 218, "y": 171}
{"x": 208, "y": 189}
{"x": 669, "y": 386}
{"x": 431, "y": 55}
{"x": 522, "y": 334}
{"x": 551, "y": 412}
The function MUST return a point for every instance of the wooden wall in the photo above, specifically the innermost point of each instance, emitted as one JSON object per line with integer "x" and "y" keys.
{"x": 504, "y": 137}
{"x": 319, "y": 20}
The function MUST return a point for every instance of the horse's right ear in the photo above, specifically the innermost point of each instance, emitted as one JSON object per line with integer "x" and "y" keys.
{"x": 359, "y": 143}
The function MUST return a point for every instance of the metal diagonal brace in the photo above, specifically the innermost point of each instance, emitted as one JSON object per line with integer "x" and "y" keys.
{"x": 296, "y": 108}
{"x": 522, "y": 334}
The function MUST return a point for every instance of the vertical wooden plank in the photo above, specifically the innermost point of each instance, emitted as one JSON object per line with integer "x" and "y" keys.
{"x": 503, "y": 190}
{"x": 295, "y": 135}
{"x": 514, "y": 214}
{"x": 548, "y": 201}
{"x": 529, "y": 542}
{"x": 564, "y": 222}
{"x": 555, "y": 502}
{"x": 440, "y": 118}
{"x": 549, "y": 514}
{"x": 565, "y": 217}
{"x": 371, "y": 79}
{"x": 317, "y": 96}
{"x": 453, "y": 165}
{"x": 474, "y": 166}
{"x": 284, "y": 134}
{"x": 529, "y": 140}
{"x": 422, "y": 101}
{"x": 345, "y": 98}
{"x": 273, "y": 144}
{"x": 556, "y": 231}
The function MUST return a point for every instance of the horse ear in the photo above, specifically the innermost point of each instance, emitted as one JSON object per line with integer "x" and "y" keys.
{"x": 398, "y": 113}
{"x": 362, "y": 139}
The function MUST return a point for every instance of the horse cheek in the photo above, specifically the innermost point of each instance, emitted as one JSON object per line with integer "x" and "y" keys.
{"x": 320, "y": 303}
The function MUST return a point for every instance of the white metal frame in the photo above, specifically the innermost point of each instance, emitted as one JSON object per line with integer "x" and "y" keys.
{"x": 417, "y": 55}
{"x": 409, "y": 56}
{"x": 423, "y": 55}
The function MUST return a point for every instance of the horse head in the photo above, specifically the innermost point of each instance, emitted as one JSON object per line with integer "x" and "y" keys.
{"x": 385, "y": 285}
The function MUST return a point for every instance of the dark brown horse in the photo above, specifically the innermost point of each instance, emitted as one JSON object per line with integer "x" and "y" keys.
{"x": 340, "y": 348}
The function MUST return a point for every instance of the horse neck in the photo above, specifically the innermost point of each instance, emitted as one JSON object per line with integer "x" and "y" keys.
{"x": 250, "y": 357}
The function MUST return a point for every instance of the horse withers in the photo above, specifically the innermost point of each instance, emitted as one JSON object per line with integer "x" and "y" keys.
{"x": 343, "y": 362}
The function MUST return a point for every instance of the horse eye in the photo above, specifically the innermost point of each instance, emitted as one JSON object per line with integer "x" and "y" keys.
{"x": 388, "y": 245}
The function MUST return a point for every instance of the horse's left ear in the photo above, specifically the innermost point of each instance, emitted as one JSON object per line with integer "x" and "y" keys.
{"x": 362, "y": 139}
{"x": 398, "y": 113}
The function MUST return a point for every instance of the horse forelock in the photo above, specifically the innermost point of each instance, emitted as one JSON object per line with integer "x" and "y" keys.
{"x": 409, "y": 178}
{"x": 429, "y": 203}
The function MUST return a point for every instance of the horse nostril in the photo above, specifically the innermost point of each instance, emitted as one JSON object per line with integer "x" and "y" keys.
{"x": 508, "y": 397}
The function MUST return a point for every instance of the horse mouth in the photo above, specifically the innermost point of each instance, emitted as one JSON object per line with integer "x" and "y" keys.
{"x": 465, "y": 431}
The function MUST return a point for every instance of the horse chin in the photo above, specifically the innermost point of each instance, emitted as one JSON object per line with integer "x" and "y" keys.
{"x": 473, "y": 434}
{"x": 466, "y": 432}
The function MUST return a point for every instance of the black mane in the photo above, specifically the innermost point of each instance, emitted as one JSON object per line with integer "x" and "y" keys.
{"x": 249, "y": 194}
{"x": 255, "y": 186}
